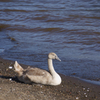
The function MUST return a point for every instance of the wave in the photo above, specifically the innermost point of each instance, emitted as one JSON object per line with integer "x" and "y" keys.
{"x": 4, "y": 26}
{"x": 6, "y": 0}
{"x": 1, "y": 50}
{"x": 15, "y": 10}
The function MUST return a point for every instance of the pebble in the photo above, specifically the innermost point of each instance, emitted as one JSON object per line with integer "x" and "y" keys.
{"x": 84, "y": 93}
{"x": 41, "y": 86}
{"x": 41, "y": 92}
{"x": 77, "y": 98}
{"x": 13, "y": 89}
{"x": 83, "y": 89}
{"x": 86, "y": 96}
{"x": 87, "y": 90}
{"x": 10, "y": 67}
{"x": 79, "y": 91}
{"x": 10, "y": 79}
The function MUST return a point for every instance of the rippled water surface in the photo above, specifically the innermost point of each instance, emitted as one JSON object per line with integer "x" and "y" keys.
{"x": 30, "y": 29}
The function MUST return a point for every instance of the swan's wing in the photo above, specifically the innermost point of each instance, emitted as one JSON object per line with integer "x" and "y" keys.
{"x": 35, "y": 72}
{"x": 38, "y": 75}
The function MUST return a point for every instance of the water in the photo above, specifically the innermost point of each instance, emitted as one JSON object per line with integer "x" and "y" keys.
{"x": 30, "y": 29}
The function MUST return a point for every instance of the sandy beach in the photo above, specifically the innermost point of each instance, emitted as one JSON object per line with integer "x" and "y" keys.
{"x": 70, "y": 88}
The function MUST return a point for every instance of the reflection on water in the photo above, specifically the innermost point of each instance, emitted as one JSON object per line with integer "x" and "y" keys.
{"x": 29, "y": 30}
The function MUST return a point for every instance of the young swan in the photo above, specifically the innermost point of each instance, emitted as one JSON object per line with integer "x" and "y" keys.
{"x": 37, "y": 75}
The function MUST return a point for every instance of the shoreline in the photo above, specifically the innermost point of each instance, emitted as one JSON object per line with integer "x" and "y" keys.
{"x": 71, "y": 88}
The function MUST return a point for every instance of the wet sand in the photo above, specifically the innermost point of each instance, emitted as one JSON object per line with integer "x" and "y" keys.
{"x": 70, "y": 88}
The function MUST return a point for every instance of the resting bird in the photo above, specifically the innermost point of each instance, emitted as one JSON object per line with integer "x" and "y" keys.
{"x": 37, "y": 75}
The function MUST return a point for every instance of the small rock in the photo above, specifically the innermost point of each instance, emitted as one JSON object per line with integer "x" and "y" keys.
{"x": 41, "y": 92}
{"x": 41, "y": 86}
{"x": 83, "y": 89}
{"x": 86, "y": 96}
{"x": 77, "y": 98}
{"x": 13, "y": 89}
{"x": 10, "y": 79}
{"x": 87, "y": 90}
{"x": 84, "y": 93}
{"x": 10, "y": 67}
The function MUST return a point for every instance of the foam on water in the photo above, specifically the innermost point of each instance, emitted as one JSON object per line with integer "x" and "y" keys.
{"x": 2, "y": 50}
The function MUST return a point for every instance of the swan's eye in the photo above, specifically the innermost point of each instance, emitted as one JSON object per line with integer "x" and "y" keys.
{"x": 53, "y": 54}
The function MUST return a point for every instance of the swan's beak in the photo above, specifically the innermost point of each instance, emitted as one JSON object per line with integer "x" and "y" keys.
{"x": 58, "y": 58}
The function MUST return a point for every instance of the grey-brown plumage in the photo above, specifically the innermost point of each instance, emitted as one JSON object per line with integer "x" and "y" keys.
{"x": 37, "y": 75}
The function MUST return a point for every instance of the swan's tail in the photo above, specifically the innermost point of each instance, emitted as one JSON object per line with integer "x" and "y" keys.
{"x": 18, "y": 68}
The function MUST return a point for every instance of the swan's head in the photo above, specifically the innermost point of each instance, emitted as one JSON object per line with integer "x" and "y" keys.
{"x": 53, "y": 56}
{"x": 18, "y": 68}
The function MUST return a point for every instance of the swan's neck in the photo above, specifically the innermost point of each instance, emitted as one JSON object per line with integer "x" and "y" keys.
{"x": 51, "y": 68}
{"x": 56, "y": 79}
